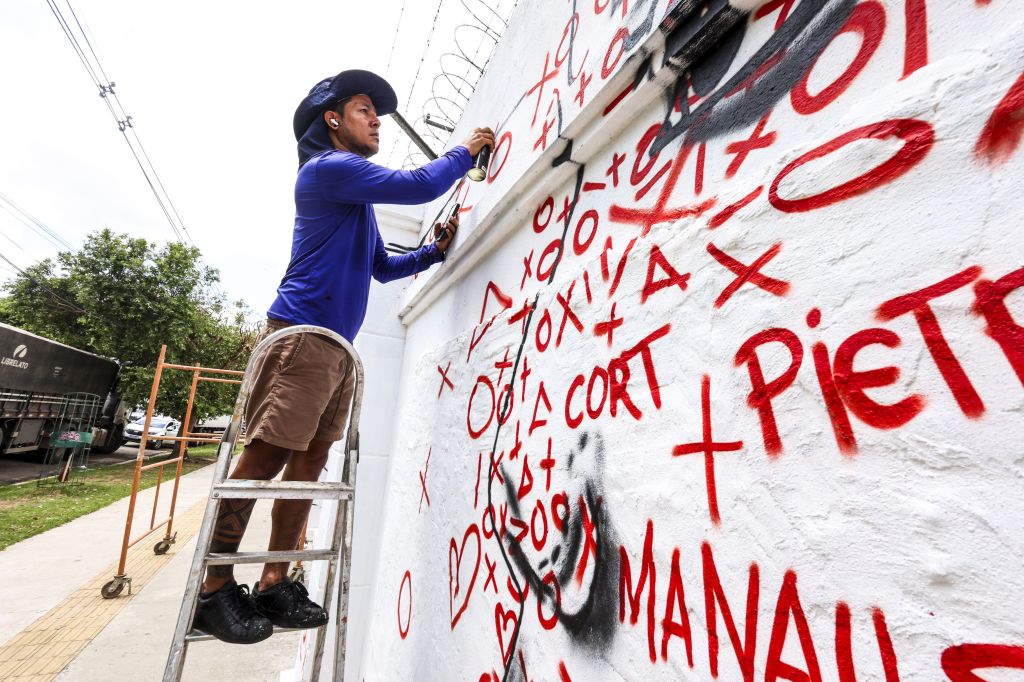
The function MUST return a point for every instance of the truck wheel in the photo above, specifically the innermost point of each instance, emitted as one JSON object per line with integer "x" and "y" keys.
{"x": 115, "y": 441}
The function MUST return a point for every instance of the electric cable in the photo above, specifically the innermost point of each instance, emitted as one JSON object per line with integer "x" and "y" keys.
{"x": 503, "y": 416}
{"x": 394, "y": 41}
{"x": 42, "y": 286}
{"x": 106, "y": 89}
{"x": 33, "y": 223}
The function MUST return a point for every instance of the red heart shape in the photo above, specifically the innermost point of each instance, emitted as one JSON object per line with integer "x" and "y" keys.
{"x": 501, "y": 618}
{"x": 455, "y": 570}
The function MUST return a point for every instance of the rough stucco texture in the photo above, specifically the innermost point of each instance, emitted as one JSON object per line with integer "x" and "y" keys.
{"x": 763, "y": 386}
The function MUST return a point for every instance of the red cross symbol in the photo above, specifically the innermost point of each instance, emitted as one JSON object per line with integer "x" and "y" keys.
{"x": 613, "y": 170}
{"x": 742, "y": 148}
{"x": 526, "y": 373}
{"x": 538, "y": 87}
{"x": 708, "y": 447}
{"x": 491, "y": 565}
{"x": 547, "y": 464}
{"x": 608, "y": 328}
{"x": 527, "y": 270}
{"x": 542, "y": 141}
{"x": 567, "y": 207}
{"x": 445, "y": 381}
{"x": 521, "y": 315}
{"x": 567, "y": 314}
{"x": 660, "y": 213}
{"x": 748, "y": 273}
{"x": 496, "y": 470}
{"x": 502, "y": 365}
{"x": 584, "y": 82}
{"x": 423, "y": 482}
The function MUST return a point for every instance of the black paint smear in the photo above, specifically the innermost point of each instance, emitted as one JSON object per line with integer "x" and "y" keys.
{"x": 706, "y": 74}
{"x": 593, "y": 625}
{"x": 640, "y": 32}
{"x": 570, "y": 78}
{"x": 564, "y": 156}
{"x": 796, "y": 45}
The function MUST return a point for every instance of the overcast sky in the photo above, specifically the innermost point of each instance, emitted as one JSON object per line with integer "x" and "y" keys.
{"x": 211, "y": 88}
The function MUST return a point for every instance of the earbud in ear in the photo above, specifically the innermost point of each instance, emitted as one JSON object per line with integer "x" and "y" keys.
{"x": 334, "y": 122}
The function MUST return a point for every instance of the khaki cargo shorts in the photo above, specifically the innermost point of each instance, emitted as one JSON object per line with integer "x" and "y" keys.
{"x": 302, "y": 391}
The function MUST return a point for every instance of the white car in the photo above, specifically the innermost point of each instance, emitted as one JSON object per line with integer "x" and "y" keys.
{"x": 158, "y": 427}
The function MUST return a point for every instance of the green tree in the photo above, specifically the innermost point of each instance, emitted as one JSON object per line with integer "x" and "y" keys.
{"x": 122, "y": 297}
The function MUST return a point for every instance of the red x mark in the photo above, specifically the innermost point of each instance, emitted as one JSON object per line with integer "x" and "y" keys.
{"x": 444, "y": 379}
{"x": 538, "y": 87}
{"x": 748, "y": 273}
{"x": 542, "y": 141}
{"x": 496, "y": 471}
{"x": 708, "y": 447}
{"x": 490, "y": 573}
{"x": 567, "y": 207}
{"x": 567, "y": 314}
{"x": 742, "y": 148}
{"x": 613, "y": 170}
{"x": 527, "y": 270}
{"x": 660, "y": 213}
{"x": 608, "y": 328}
{"x": 423, "y": 482}
{"x": 547, "y": 464}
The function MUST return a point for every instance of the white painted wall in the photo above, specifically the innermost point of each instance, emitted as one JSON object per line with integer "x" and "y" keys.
{"x": 891, "y": 167}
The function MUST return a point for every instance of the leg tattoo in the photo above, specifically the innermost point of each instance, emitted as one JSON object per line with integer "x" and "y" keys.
{"x": 232, "y": 518}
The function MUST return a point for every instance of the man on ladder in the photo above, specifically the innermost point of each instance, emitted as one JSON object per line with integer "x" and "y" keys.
{"x": 302, "y": 386}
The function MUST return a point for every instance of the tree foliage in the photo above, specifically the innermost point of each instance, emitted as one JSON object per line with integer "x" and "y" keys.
{"x": 122, "y": 297}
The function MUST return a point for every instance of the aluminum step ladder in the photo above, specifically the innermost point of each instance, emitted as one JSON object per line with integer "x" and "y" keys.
{"x": 340, "y": 551}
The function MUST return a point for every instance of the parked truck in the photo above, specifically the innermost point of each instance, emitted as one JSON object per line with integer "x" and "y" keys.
{"x": 35, "y": 376}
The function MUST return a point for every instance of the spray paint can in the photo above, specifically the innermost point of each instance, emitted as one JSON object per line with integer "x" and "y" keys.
{"x": 480, "y": 162}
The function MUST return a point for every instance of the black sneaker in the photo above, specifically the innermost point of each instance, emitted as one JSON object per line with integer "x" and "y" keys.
{"x": 230, "y": 615}
{"x": 287, "y": 605}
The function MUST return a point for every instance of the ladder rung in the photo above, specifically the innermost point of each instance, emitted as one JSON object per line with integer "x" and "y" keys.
{"x": 287, "y": 490}
{"x": 225, "y": 558}
{"x": 194, "y": 636}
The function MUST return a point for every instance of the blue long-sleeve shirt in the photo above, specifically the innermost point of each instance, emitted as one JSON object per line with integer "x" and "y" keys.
{"x": 336, "y": 246}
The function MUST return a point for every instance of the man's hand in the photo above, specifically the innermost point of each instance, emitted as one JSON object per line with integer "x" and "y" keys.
{"x": 443, "y": 234}
{"x": 481, "y": 137}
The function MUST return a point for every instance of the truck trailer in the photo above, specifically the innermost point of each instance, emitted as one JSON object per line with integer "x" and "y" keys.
{"x": 35, "y": 376}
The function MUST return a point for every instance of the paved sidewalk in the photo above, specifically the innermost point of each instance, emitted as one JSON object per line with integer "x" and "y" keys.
{"x": 55, "y": 620}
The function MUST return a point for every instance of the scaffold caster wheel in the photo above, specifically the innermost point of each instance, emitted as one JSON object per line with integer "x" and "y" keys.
{"x": 113, "y": 589}
{"x": 162, "y": 547}
{"x": 298, "y": 575}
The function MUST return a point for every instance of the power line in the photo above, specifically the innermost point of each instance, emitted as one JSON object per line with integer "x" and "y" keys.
{"x": 42, "y": 286}
{"x": 394, "y": 41}
{"x": 16, "y": 244}
{"x": 33, "y": 223}
{"x": 107, "y": 91}
{"x": 426, "y": 48}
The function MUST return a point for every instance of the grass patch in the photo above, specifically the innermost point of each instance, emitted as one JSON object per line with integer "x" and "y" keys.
{"x": 28, "y": 509}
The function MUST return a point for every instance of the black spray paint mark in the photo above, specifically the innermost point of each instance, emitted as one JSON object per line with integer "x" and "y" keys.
{"x": 785, "y": 57}
{"x": 591, "y": 619}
